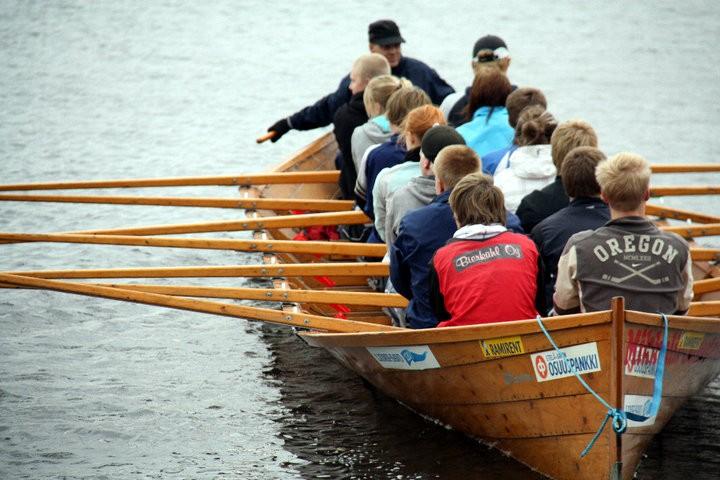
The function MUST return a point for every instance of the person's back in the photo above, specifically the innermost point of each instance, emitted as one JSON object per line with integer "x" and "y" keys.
{"x": 586, "y": 211}
{"x": 485, "y": 274}
{"x": 384, "y": 38}
{"x": 629, "y": 256}
{"x": 488, "y": 128}
{"x": 530, "y": 166}
{"x": 540, "y": 204}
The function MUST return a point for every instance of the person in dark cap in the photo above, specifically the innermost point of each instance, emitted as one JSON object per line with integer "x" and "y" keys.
{"x": 488, "y": 51}
{"x": 384, "y": 38}
{"x": 420, "y": 191}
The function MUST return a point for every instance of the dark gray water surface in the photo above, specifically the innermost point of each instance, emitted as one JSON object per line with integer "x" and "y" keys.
{"x": 92, "y": 388}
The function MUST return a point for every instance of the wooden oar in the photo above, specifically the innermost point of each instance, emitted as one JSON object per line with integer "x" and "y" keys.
{"x": 706, "y": 285}
{"x": 691, "y": 231}
{"x": 345, "y": 269}
{"x": 204, "y": 306}
{"x": 268, "y": 136}
{"x": 705, "y": 254}
{"x": 663, "y": 191}
{"x": 702, "y": 309}
{"x": 273, "y": 295}
{"x": 677, "y": 214}
{"x": 266, "y": 178}
{"x": 245, "y": 203}
{"x": 284, "y": 246}
{"x": 686, "y": 168}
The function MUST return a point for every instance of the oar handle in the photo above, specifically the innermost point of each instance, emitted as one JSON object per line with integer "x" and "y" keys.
{"x": 268, "y": 136}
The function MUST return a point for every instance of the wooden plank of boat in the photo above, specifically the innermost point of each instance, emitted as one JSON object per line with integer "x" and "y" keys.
{"x": 487, "y": 381}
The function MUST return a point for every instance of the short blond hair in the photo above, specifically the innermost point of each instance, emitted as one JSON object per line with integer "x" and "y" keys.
{"x": 476, "y": 200}
{"x": 455, "y": 162}
{"x": 371, "y": 65}
{"x": 380, "y": 88}
{"x": 569, "y": 135}
{"x": 624, "y": 179}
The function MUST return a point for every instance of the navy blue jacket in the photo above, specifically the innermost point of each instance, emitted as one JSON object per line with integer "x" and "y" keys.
{"x": 538, "y": 205}
{"x": 552, "y": 234}
{"x": 387, "y": 155}
{"x": 321, "y": 112}
{"x": 421, "y": 233}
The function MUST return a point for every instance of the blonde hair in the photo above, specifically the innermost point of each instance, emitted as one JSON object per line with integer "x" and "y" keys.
{"x": 421, "y": 119}
{"x": 569, "y": 135}
{"x": 624, "y": 179}
{"x": 379, "y": 89}
{"x": 371, "y": 65}
{"x": 455, "y": 162}
{"x": 402, "y": 101}
{"x": 476, "y": 200}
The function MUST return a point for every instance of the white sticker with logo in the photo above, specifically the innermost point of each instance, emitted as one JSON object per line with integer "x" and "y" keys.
{"x": 551, "y": 366}
{"x": 414, "y": 357}
{"x": 639, "y": 405}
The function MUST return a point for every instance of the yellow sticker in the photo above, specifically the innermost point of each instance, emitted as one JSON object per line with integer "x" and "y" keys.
{"x": 502, "y": 347}
{"x": 691, "y": 340}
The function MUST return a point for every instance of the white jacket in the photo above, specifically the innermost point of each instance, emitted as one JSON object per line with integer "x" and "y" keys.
{"x": 522, "y": 171}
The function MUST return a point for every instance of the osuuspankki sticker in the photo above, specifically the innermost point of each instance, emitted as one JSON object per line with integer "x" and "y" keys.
{"x": 413, "y": 357}
{"x": 551, "y": 366}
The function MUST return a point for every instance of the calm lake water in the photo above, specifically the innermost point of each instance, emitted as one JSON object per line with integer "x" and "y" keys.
{"x": 97, "y": 389}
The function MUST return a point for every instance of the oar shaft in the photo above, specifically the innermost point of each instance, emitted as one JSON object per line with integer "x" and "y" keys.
{"x": 274, "y": 295}
{"x": 686, "y": 168}
{"x": 347, "y": 269}
{"x": 706, "y": 285}
{"x": 691, "y": 231}
{"x": 245, "y": 203}
{"x": 204, "y": 306}
{"x": 678, "y": 214}
{"x": 282, "y": 221}
{"x": 284, "y": 246}
{"x": 663, "y": 191}
{"x": 705, "y": 254}
{"x": 319, "y": 176}
{"x": 701, "y": 309}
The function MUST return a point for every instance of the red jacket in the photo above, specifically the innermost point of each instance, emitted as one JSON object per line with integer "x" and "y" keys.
{"x": 485, "y": 281}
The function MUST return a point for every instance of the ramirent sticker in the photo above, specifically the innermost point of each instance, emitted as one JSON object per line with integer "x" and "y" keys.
{"x": 691, "y": 340}
{"x": 502, "y": 347}
{"x": 415, "y": 357}
{"x": 551, "y": 366}
{"x": 639, "y": 405}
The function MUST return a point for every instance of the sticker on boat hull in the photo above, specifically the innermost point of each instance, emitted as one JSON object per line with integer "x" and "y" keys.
{"x": 639, "y": 405}
{"x": 641, "y": 361}
{"x": 691, "y": 340}
{"x": 551, "y": 366}
{"x": 502, "y": 347}
{"x": 415, "y": 357}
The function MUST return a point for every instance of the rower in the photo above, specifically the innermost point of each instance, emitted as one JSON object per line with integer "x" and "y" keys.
{"x": 540, "y": 204}
{"x": 586, "y": 211}
{"x": 486, "y": 273}
{"x": 488, "y": 51}
{"x": 629, "y": 256}
{"x": 384, "y": 38}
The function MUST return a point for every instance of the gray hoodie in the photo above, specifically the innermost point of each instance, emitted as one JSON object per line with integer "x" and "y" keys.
{"x": 365, "y": 136}
{"x": 418, "y": 193}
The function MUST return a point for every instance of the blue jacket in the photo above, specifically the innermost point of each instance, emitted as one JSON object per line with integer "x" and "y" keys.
{"x": 321, "y": 112}
{"x": 386, "y": 155}
{"x": 490, "y": 161}
{"x": 552, "y": 234}
{"x": 422, "y": 232}
{"x": 487, "y": 132}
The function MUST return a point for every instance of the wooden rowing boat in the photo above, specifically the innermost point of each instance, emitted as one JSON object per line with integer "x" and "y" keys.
{"x": 503, "y": 383}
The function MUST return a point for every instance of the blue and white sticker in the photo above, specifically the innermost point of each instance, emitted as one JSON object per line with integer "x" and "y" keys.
{"x": 551, "y": 366}
{"x": 415, "y": 357}
{"x": 639, "y": 405}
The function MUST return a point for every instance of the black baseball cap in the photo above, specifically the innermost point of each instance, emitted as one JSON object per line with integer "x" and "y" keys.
{"x": 437, "y": 138}
{"x": 488, "y": 42}
{"x": 384, "y": 32}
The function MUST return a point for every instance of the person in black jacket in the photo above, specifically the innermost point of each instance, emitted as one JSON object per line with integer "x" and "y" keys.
{"x": 385, "y": 39}
{"x": 353, "y": 114}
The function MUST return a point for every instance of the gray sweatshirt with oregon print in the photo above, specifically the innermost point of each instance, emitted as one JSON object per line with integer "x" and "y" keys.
{"x": 628, "y": 257}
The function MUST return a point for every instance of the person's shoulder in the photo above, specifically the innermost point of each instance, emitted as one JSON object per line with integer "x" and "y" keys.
{"x": 584, "y": 236}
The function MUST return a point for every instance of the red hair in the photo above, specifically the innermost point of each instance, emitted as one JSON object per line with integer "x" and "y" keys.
{"x": 422, "y": 119}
